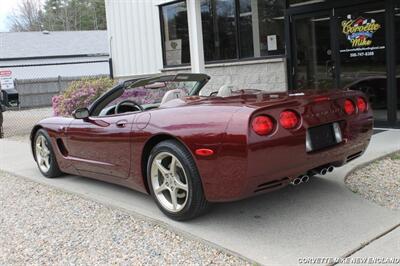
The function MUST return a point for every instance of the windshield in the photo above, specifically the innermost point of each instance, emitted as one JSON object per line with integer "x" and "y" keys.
{"x": 149, "y": 93}
{"x": 154, "y": 93}
{"x": 134, "y": 98}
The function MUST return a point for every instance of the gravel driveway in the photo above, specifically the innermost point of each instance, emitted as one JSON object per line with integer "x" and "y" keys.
{"x": 44, "y": 226}
{"x": 379, "y": 181}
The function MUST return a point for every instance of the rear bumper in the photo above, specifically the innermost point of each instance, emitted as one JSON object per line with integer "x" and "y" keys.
{"x": 273, "y": 164}
{"x": 335, "y": 156}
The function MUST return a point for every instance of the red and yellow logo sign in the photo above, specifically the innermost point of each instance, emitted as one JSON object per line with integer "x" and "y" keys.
{"x": 360, "y": 31}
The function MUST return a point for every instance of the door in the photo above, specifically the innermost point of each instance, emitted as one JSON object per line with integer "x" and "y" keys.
{"x": 396, "y": 40}
{"x": 342, "y": 48}
{"x": 314, "y": 65}
{"x": 101, "y": 144}
{"x": 362, "y": 54}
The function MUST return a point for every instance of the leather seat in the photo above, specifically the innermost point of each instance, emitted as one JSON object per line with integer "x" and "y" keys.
{"x": 171, "y": 95}
{"x": 226, "y": 90}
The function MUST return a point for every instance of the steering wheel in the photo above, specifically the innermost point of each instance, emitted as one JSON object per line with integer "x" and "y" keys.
{"x": 133, "y": 103}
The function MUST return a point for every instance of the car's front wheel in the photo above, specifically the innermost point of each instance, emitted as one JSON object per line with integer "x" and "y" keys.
{"x": 174, "y": 181}
{"x": 44, "y": 155}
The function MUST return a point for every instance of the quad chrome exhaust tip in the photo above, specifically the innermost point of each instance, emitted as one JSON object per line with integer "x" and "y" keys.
{"x": 300, "y": 179}
{"x": 323, "y": 171}
{"x": 305, "y": 178}
{"x": 296, "y": 182}
{"x": 331, "y": 168}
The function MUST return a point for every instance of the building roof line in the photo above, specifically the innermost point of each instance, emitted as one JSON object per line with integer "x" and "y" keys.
{"x": 52, "y": 57}
{"x": 54, "y": 64}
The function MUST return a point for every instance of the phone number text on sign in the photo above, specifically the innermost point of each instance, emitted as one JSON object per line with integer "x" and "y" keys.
{"x": 362, "y": 54}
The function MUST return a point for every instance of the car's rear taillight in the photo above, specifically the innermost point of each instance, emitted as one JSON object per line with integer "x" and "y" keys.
{"x": 263, "y": 125}
{"x": 349, "y": 107}
{"x": 362, "y": 105}
{"x": 289, "y": 119}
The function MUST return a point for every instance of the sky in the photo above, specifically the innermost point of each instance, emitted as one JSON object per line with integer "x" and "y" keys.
{"x": 6, "y": 7}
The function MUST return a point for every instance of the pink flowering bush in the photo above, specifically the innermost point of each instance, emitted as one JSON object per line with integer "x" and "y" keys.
{"x": 80, "y": 94}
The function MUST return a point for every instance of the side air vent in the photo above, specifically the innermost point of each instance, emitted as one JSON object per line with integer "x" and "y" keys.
{"x": 272, "y": 184}
{"x": 61, "y": 147}
{"x": 353, "y": 156}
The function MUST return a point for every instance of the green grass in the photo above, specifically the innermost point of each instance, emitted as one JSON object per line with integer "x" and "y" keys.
{"x": 395, "y": 156}
{"x": 354, "y": 190}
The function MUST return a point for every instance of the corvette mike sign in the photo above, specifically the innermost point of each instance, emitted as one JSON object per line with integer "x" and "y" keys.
{"x": 360, "y": 31}
{"x": 6, "y": 80}
{"x": 360, "y": 36}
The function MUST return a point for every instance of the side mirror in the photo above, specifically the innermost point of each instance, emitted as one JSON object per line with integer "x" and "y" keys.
{"x": 81, "y": 113}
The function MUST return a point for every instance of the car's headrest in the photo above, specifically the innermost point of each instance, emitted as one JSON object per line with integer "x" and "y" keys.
{"x": 226, "y": 90}
{"x": 172, "y": 95}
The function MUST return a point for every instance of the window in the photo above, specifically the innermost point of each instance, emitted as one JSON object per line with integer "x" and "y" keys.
{"x": 175, "y": 34}
{"x": 232, "y": 29}
{"x": 362, "y": 49}
{"x": 236, "y": 29}
{"x": 270, "y": 24}
{"x": 219, "y": 29}
{"x": 246, "y": 29}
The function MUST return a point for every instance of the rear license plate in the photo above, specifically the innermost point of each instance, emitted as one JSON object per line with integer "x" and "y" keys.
{"x": 323, "y": 137}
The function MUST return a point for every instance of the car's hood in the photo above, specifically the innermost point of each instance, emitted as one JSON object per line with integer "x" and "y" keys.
{"x": 56, "y": 120}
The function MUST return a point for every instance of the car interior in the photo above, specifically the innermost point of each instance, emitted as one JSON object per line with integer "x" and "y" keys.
{"x": 170, "y": 98}
{"x": 158, "y": 94}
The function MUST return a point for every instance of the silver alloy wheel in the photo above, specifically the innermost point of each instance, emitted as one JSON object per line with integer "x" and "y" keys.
{"x": 42, "y": 153}
{"x": 169, "y": 182}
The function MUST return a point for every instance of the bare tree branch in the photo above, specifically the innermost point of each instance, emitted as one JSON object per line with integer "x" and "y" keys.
{"x": 27, "y": 17}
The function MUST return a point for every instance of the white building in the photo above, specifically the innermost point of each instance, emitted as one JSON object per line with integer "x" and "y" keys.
{"x": 273, "y": 45}
{"x": 153, "y": 36}
{"x": 37, "y": 55}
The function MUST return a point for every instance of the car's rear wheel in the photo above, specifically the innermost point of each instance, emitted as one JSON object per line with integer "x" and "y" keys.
{"x": 44, "y": 155}
{"x": 174, "y": 181}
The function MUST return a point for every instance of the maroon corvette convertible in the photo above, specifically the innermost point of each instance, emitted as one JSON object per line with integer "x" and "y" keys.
{"x": 188, "y": 146}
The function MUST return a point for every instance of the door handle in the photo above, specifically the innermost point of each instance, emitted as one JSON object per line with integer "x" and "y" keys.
{"x": 121, "y": 123}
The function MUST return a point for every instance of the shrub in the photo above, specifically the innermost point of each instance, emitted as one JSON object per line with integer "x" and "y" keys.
{"x": 80, "y": 94}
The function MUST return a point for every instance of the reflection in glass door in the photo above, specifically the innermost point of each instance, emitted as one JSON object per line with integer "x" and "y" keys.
{"x": 363, "y": 54}
{"x": 313, "y": 66}
{"x": 344, "y": 48}
{"x": 397, "y": 41}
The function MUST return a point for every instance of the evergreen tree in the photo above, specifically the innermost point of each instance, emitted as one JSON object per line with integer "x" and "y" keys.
{"x": 60, "y": 15}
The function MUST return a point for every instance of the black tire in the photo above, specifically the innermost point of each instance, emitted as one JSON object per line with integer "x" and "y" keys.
{"x": 54, "y": 170}
{"x": 196, "y": 203}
